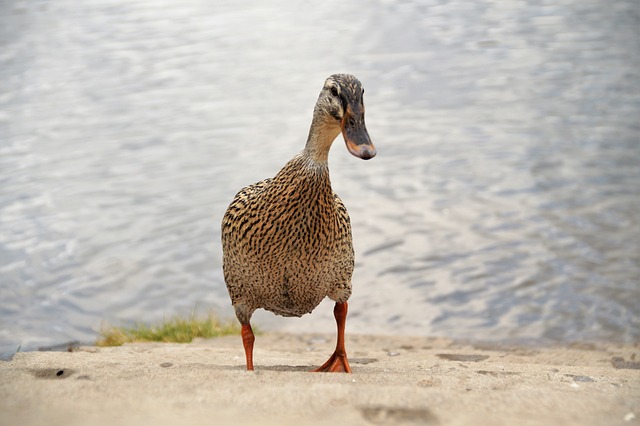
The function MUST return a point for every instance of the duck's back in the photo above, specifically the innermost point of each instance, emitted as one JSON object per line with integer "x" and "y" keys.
{"x": 287, "y": 243}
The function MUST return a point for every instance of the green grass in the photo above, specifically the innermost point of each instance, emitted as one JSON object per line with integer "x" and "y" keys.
{"x": 176, "y": 329}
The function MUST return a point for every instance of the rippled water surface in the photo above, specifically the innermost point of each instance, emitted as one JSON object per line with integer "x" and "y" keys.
{"x": 504, "y": 202}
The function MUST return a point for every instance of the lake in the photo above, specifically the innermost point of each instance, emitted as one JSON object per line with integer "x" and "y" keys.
{"x": 503, "y": 204}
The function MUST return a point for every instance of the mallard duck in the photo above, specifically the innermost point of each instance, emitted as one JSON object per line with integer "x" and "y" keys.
{"x": 286, "y": 240}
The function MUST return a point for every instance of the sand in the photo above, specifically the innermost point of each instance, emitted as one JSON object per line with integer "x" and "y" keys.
{"x": 395, "y": 380}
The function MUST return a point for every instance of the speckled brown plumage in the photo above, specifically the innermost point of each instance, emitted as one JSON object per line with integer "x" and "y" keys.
{"x": 287, "y": 240}
{"x": 287, "y": 243}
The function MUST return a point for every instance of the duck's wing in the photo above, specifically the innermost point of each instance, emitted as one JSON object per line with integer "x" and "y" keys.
{"x": 344, "y": 222}
{"x": 343, "y": 254}
{"x": 237, "y": 221}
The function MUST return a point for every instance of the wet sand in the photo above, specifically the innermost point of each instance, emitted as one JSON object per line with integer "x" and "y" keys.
{"x": 395, "y": 380}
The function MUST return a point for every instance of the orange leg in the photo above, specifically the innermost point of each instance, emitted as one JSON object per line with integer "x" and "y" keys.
{"x": 338, "y": 362}
{"x": 247, "y": 340}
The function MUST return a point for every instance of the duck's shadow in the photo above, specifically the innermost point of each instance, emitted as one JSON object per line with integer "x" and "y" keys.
{"x": 279, "y": 368}
{"x": 292, "y": 368}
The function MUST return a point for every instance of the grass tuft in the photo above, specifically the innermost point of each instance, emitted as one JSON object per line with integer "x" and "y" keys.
{"x": 176, "y": 329}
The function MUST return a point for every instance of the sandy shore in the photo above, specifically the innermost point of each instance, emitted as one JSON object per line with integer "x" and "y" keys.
{"x": 395, "y": 380}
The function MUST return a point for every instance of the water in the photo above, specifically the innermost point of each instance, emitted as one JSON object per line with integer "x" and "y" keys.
{"x": 504, "y": 203}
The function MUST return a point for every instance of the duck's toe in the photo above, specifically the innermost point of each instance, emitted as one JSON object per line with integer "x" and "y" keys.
{"x": 337, "y": 363}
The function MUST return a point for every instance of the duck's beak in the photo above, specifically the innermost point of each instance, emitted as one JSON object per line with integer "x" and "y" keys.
{"x": 355, "y": 134}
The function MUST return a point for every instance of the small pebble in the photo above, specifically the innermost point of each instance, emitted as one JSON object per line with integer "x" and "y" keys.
{"x": 393, "y": 353}
{"x": 629, "y": 416}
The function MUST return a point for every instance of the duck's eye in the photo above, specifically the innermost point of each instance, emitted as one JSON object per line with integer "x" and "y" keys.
{"x": 334, "y": 91}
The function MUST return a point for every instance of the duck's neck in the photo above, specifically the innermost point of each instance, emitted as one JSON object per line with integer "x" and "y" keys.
{"x": 321, "y": 135}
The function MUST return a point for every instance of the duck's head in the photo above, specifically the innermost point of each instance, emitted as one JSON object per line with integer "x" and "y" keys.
{"x": 340, "y": 103}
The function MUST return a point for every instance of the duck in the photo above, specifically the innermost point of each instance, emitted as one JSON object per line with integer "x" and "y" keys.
{"x": 286, "y": 240}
